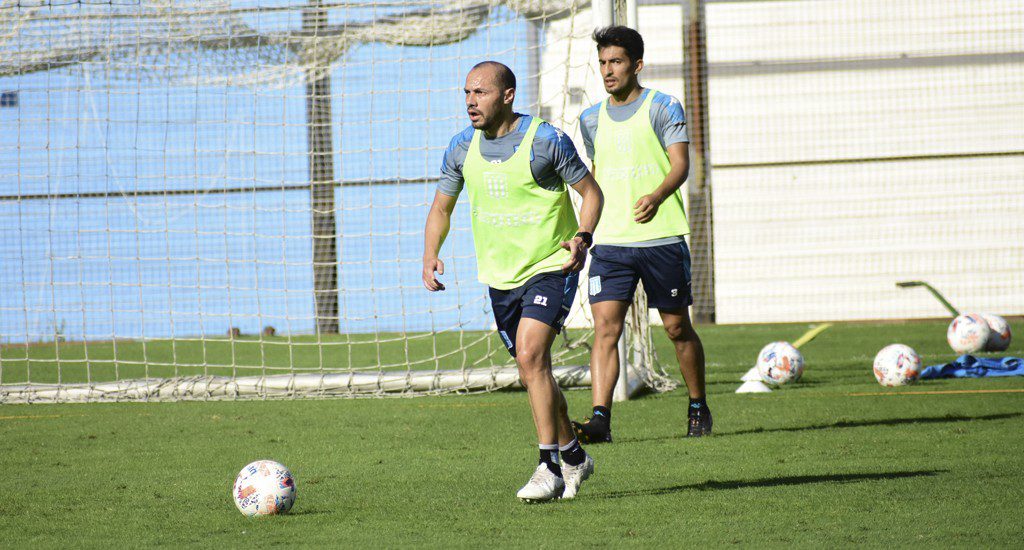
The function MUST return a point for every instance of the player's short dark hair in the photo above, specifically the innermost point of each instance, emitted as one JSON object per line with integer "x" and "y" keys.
{"x": 623, "y": 37}
{"x": 504, "y": 76}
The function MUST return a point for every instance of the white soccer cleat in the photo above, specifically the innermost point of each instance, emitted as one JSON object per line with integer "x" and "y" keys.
{"x": 543, "y": 485}
{"x": 575, "y": 476}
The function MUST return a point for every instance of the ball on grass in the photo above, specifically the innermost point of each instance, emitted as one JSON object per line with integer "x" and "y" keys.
{"x": 780, "y": 363}
{"x": 998, "y": 332}
{"x": 968, "y": 333}
{"x": 897, "y": 365}
{"x": 264, "y": 488}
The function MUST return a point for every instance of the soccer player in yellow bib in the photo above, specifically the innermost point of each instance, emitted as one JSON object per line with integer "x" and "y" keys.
{"x": 529, "y": 247}
{"x": 638, "y": 143}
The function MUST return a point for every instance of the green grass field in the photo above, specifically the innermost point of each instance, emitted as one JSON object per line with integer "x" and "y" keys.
{"x": 834, "y": 461}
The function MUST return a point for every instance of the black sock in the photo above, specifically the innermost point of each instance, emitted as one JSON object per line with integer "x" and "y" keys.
{"x": 549, "y": 457}
{"x": 698, "y": 403}
{"x": 573, "y": 453}
{"x": 602, "y": 416}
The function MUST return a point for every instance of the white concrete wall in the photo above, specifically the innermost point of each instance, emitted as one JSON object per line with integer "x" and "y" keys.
{"x": 820, "y": 241}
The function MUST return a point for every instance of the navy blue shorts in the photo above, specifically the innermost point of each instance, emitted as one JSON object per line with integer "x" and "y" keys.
{"x": 546, "y": 297}
{"x": 665, "y": 271}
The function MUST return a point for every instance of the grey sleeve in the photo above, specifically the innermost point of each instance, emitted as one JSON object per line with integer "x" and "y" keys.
{"x": 588, "y": 129}
{"x": 668, "y": 120}
{"x": 554, "y": 160}
{"x": 451, "y": 181}
{"x": 566, "y": 160}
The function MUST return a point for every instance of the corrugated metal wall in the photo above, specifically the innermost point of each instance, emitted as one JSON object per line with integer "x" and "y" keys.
{"x": 854, "y": 144}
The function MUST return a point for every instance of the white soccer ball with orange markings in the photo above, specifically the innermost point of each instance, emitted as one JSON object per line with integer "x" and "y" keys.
{"x": 897, "y": 365}
{"x": 998, "y": 333}
{"x": 780, "y": 363}
{"x": 968, "y": 333}
{"x": 264, "y": 488}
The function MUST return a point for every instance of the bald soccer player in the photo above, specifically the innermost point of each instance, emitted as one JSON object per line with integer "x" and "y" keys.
{"x": 516, "y": 170}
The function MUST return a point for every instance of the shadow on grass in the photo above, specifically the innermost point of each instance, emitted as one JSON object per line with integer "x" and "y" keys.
{"x": 306, "y": 512}
{"x": 712, "y": 485}
{"x": 879, "y": 422}
{"x": 846, "y": 424}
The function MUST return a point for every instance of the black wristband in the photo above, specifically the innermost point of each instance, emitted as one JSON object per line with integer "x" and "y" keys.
{"x": 587, "y": 237}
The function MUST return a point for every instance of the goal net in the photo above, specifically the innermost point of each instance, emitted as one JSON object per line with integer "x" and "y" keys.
{"x": 225, "y": 199}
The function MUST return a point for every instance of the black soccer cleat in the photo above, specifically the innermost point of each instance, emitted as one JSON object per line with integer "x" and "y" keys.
{"x": 592, "y": 432}
{"x": 700, "y": 422}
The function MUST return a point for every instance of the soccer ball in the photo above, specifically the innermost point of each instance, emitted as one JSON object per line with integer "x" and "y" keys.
{"x": 968, "y": 333}
{"x": 780, "y": 363}
{"x": 263, "y": 488}
{"x": 897, "y": 365}
{"x": 999, "y": 333}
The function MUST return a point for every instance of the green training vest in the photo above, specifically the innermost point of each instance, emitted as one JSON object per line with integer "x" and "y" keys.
{"x": 630, "y": 163}
{"x": 517, "y": 224}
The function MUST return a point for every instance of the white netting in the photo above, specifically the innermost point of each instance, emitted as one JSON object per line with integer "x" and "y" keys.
{"x": 221, "y": 42}
{"x": 178, "y": 181}
{"x": 172, "y": 171}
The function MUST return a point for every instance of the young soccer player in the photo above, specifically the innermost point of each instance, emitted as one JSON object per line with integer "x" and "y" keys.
{"x": 637, "y": 140}
{"x": 529, "y": 250}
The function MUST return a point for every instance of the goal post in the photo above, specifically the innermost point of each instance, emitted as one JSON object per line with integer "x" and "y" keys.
{"x": 225, "y": 200}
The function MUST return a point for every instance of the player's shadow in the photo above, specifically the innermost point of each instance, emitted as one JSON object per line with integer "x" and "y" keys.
{"x": 878, "y": 422}
{"x": 843, "y": 424}
{"x": 712, "y": 485}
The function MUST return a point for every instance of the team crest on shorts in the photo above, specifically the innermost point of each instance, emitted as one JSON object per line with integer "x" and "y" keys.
{"x": 595, "y": 285}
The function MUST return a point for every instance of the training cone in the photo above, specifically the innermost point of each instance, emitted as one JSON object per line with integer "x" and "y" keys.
{"x": 752, "y": 375}
{"x": 753, "y": 386}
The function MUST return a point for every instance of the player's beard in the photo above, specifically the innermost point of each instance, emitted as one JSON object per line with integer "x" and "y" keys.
{"x": 623, "y": 85}
{"x": 487, "y": 123}
{"x": 480, "y": 123}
